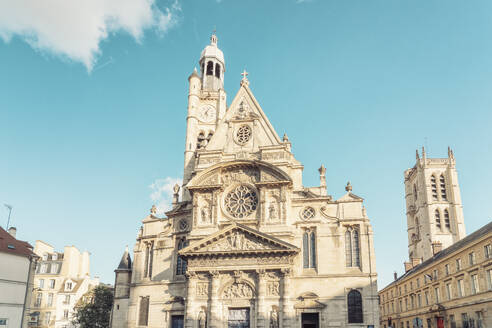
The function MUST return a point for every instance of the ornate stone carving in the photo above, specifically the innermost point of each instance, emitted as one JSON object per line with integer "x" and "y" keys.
{"x": 273, "y": 288}
{"x": 212, "y": 180}
{"x": 239, "y": 260}
{"x": 238, "y": 242}
{"x": 243, "y": 134}
{"x": 245, "y": 175}
{"x": 202, "y": 289}
{"x": 238, "y": 290}
{"x": 307, "y": 213}
{"x": 241, "y": 201}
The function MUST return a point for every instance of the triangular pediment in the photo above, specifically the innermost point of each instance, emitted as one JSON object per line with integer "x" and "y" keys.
{"x": 244, "y": 110}
{"x": 238, "y": 239}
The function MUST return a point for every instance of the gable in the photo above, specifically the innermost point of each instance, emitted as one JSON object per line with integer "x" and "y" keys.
{"x": 238, "y": 239}
{"x": 244, "y": 111}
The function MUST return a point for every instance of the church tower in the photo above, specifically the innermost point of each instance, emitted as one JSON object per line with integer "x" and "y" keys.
{"x": 206, "y": 104}
{"x": 122, "y": 290}
{"x": 434, "y": 209}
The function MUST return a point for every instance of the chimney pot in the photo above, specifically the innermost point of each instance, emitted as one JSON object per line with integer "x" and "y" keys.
{"x": 436, "y": 247}
{"x": 395, "y": 275}
{"x": 12, "y": 231}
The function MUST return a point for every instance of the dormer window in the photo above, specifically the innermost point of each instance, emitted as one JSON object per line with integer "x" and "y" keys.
{"x": 68, "y": 286}
{"x": 54, "y": 257}
{"x": 45, "y": 257}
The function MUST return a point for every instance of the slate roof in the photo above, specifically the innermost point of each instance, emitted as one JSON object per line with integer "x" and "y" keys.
{"x": 10, "y": 245}
{"x": 126, "y": 261}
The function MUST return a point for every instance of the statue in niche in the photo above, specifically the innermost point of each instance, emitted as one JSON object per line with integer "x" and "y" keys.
{"x": 202, "y": 319}
{"x": 205, "y": 215}
{"x": 274, "y": 317}
{"x": 272, "y": 211}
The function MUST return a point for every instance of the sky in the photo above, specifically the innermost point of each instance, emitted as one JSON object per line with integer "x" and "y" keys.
{"x": 93, "y": 98}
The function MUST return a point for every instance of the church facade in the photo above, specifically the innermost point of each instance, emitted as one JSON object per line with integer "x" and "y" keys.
{"x": 246, "y": 244}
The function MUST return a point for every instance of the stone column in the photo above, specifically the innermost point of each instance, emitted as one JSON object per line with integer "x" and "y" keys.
{"x": 214, "y": 319}
{"x": 287, "y": 309}
{"x": 261, "y": 290}
{"x": 190, "y": 298}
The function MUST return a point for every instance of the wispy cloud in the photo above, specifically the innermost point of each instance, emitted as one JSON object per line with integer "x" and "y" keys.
{"x": 74, "y": 29}
{"x": 162, "y": 193}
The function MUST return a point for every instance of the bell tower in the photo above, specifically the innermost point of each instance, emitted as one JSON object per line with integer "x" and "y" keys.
{"x": 434, "y": 208}
{"x": 206, "y": 105}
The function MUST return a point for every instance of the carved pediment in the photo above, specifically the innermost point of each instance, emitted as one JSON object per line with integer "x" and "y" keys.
{"x": 238, "y": 239}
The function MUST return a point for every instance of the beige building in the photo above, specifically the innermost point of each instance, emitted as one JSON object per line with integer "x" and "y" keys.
{"x": 60, "y": 280}
{"x": 446, "y": 286}
{"x": 247, "y": 244}
{"x": 17, "y": 265}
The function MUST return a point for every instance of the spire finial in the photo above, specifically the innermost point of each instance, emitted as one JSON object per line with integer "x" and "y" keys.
{"x": 417, "y": 154}
{"x": 348, "y": 187}
{"x": 213, "y": 38}
{"x": 126, "y": 249}
{"x": 153, "y": 209}
{"x": 322, "y": 176}
{"x": 244, "y": 80}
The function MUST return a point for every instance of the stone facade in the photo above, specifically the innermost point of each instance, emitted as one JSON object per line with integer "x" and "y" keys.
{"x": 247, "y": 245}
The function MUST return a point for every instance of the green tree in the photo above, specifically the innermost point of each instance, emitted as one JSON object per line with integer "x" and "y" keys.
{"x": 94, "y": 308}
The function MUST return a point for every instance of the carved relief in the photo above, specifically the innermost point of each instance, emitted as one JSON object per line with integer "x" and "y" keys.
{"x": 238, "y": 290}
{"x": 235, "y": 261}
{"x": 273, "y": 288}
{"x": 238, "y": 242}
{"x": 205, "y": 210}
{"x": 202, "y": 289}
{"x": 212, "y": 180}
{"x": 245, "y": 175}
{"x": 273, "y": 156}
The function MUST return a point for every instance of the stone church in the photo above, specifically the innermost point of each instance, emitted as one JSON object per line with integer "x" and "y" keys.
{"x": 246, "y": 244}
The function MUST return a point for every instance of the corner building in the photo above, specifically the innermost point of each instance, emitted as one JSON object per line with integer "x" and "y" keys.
{"x": 247, "y": 245}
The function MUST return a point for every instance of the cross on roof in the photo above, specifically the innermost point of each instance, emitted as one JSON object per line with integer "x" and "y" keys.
{"x": 244, "y": 74}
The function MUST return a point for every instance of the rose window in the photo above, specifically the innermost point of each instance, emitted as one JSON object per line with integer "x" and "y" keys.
{"x": 243, "y": 134}
{"x": 307, "y": 213}
{"x": 241, "y": 201}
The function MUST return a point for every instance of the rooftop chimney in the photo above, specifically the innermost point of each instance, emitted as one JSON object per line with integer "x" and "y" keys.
{"x": 436, "y": 247}
{"x": 13, "y": 231}
{"x": 416, "y": 261}
{"x": 395, "y": 275}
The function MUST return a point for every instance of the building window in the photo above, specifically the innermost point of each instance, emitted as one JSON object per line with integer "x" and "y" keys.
{"x": 434, "y": 187}
{"x": 464, "y": 320}
{"x": 352, "y": 248}
{"x": 446, "y": 269}
{"x": 3, "y": 322}
{"x": 452, "y": 322}
{"x": 181, "y": 262}
{"x": 41, "y": 283}
{"x": 47, "y": 317}
{"x": 50, "y": 299}
{"x": 217, "y": 70}
{"x": 143, "y": 317}
{"x": 437, "y": 294}
{"x": 438, "y": 219}
{"x": 44, "y": 268}
{"x": 487, "y": 250}
{"x": 458, "y": 265}
{"x": 471, "y": 258}
{"x": 415, "y": 191}
{"x": 309, "y": 249}
{"x": 67, "y": 299}
{"x": 489, "y": 278}
{"x": 442, "y": 184}
{"x": 39, "y": 299}
{"x": 479, "y": 319}
{"x": 419, "y": 299}
{"x": 447, "y": 223}
{"x": 149, "y": 258}
{"x": 210, "y": 68}
{"x": 52, "y": 283}
{"x": 435, "y": 275}
{"x": 401, "y": 306}
{"x": 474, "y": 283}
{"x": 354, "y": 305}
{"x": 65, "y": 314}
{"x": 460, "y": 288}
{"x": 418, "y": 283}
{"x": 448, "y": 291}
{"x": 54, "y": 268}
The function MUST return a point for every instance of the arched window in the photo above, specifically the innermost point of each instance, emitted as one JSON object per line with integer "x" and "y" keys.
{"x": 417, "y": 227}
{"x": 210, "y": 68}
{"x": 447, "y": 224}
{"x": 309, "y": 249}
{"x": 442, "y": 184}
{"x": 434, "y": 187}
{"x": 210, "y": 135}
{"x": 352, "y": 248}
{"x": 415, "y": 191}
{"x": 217, "y": 70}
{"x": 438, "y": 219}
{"x": 201, "y": 141}
{"x": 203, "y": 68}
{"x": 181, "y": 262}
{"x": 143, "y": 314}
{"x": 149, "y": 258}
{"x": 354, "y": 307}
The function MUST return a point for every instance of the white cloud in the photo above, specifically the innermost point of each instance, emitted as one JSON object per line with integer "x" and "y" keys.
{"x": 74, "y": 29}
{"x": 162, "y": 193}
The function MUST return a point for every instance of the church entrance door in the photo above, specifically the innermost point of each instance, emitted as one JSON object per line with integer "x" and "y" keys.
{"x": 177, "y": 321}
{"x": 238, "y": 318}
{"x": 310, "y": 320}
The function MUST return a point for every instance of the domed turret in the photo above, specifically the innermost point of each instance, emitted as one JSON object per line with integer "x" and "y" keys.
{"x": 212, "y": 66}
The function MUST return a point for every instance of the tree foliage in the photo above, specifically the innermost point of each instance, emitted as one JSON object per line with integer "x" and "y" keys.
{"x": 94, "y": 309}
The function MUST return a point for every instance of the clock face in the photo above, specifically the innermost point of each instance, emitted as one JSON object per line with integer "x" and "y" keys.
{"x": 207, "y": 113}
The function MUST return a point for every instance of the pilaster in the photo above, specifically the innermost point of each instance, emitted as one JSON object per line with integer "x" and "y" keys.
{"x": 287, "y": 313}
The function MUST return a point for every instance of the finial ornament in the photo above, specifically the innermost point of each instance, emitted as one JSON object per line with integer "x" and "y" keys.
{"x": 244, "y": 80}
{"x": 213, "y": 39}
{"x": 417, "y": 154}
{"x": 176, "y": 188}
{"x": 348, "y": 187}
{"x": 322, "y": 170}
{"x": 153, "y": 210}
{"x": 285, "y": 138}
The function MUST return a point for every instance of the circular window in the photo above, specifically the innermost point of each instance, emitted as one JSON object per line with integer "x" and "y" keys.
{"x": 183, "y": 225}
{"x": 243, "y": 134}
{"x": 241, "y": 201}
{"x": 307, "y": 213}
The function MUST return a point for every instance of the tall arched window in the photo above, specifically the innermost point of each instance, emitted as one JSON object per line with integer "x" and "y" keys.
{"x": 143, "y": 314}
{"x": 447, "y": 224}
{"x": 217, "y": 70}
{"x": 442, "y": 184}
{"x": 210, "y": 68}
{"x": 181, "y": 262}
{"x": 309, "y": 249}
{"x": 352, "y": 248}
{"x": 354, "y": 307}
{"x": 149, "y": 258}
{"x": 434, "y": 187}
{"x": 415, "y": 191}
{"x": 438, "y": 219}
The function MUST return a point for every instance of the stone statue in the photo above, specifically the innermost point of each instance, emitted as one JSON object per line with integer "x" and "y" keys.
{"x": 274, "y": 317}
{"x": 273, "y": 211}
{"x": 205, "y": 215}
{"x": 202, "y": 320}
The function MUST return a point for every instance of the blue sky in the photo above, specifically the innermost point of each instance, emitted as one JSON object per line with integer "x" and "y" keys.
{"x": 88, "y": 127}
